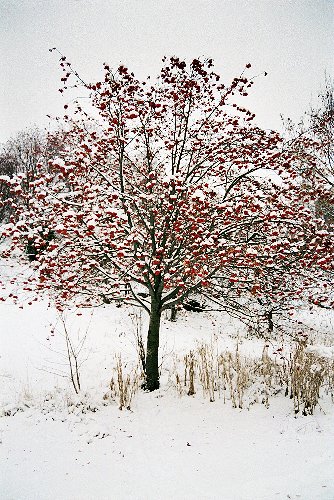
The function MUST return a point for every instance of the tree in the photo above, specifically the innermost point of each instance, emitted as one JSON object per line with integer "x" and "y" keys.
{"x": 321, "y": 119}
{"x": 313, "y": 138}
{"x": 163, "y": 190}
{"x": 8, "y": 168}
{"x": 20, "y": 155}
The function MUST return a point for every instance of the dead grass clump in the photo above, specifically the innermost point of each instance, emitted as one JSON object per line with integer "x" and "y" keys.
{"x": 235, "y": 376}
{"x": 244, "y": 381}
{"x": 189, "y": 372}
{"x": 123, "y": 386}
{"x": 308, "y": 374}
{"x": 208, "y": 370}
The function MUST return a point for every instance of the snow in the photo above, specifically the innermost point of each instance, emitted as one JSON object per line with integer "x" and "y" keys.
{"x": 321, "y": 350}
{"x": 198, "y": 194}
{"x": 59, "y": 445}
{"x": 168, "y": 448}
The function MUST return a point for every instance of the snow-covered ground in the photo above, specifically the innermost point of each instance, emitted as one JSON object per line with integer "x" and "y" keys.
{"x": 59, "y": 446}
{"x": 168, "y": 449}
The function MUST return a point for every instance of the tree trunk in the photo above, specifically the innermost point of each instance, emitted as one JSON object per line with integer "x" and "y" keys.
{"x": 270, "y": 322}
{"x": 152, "y": 351}
{"x": 173, "y": 312}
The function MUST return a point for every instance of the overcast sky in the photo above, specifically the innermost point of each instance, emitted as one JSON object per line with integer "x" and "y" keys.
{"x": 292, "y": 40}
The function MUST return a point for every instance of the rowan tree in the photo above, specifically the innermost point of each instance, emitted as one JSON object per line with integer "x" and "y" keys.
{"x": 166, "y": 188}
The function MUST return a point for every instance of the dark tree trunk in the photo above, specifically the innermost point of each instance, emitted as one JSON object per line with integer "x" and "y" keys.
{"x": 173, "y": 312}
{"x": 270, "y": 322}
{"x": 152, "y": 351}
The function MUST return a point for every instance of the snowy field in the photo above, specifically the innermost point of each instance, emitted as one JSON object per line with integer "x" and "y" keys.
{"x": 61, "y": 446}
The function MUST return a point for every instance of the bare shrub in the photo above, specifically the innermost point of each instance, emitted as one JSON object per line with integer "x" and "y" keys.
{"x": 140, "y": 345}
{"x": 71, "y": 357}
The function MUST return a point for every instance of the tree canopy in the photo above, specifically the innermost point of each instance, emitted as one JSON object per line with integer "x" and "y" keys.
{"x": 166, "y": 188}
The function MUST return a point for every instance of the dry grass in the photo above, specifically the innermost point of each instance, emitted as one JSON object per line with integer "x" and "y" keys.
{"x": 123, "y": 386}
{"x": 308, "y": 374}
{"x": 245, "y": 381}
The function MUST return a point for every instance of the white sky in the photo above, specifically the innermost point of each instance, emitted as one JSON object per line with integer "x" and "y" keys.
{"x": 292, "y": 40}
